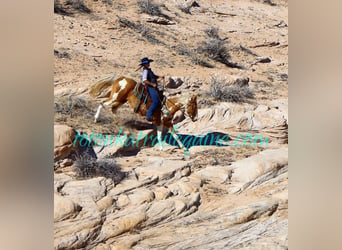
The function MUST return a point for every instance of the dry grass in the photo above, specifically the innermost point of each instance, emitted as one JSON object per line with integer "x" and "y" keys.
{"x": 144, "y": 30}
{"x": 73, "y": 106}
{"x": 78, "y": 112}
{"x": 86, "y": 166}
{"x": 223, "y": 156}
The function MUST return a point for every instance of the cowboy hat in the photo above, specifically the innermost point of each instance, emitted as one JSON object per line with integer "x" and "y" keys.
{"x": 145, "y": 60}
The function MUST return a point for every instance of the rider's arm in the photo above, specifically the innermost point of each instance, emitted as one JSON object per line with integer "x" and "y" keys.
{"x": 150, "y": 83}
{"x": 147, "y": 82}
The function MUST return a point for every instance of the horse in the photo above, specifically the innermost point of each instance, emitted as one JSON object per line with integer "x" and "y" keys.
{"x": 123, "y": 89}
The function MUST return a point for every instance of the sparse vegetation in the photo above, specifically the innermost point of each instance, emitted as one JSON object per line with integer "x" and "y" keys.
{"x": 199, "y": 60}
{"x": 144, "y": 30}
{"x": 269, "y": 2}
{"x": 61, "y": 54}
{"x": 185, "y": 9}
{"x": 195, "y": 58}
{"x": 183, "y": 50}
{"x": 221, "y": 90}
{"x": 57, "y": 8}
{"x": 149, "y": 7}
{"x": 86, "y": 166}
{"x": 73, "y": 106}
{"x": 110, "y": 2}
{"x": 215, "y": 49}
{"x": 212, "y": 32}
{"x": 246, "y": 50}
{"x": 78, "y": 5}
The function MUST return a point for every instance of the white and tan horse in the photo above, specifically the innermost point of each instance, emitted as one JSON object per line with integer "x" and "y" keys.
{"x": 123, "y": 91}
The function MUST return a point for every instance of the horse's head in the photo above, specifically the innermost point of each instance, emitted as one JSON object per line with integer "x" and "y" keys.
{"x": 191, "y": 108}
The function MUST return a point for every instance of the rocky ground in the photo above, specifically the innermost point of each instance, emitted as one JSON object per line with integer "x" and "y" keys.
{"x": 205, "y": 197}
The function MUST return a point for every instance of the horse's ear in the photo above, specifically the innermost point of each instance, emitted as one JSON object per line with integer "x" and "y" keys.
{"x": 194, "y": 98}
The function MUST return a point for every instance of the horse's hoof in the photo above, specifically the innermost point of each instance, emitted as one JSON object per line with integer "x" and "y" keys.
{"x": 95, "y": 121}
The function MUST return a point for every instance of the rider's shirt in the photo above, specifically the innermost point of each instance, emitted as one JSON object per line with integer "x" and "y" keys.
{"x": 148, "y": 75}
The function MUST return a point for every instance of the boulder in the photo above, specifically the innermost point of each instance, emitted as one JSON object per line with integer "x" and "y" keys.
{"x": 67, "y": 141}
{"x": 64, "y": 137}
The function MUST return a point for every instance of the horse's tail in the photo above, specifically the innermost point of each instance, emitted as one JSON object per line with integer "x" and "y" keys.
{"x": 101, "y": 85}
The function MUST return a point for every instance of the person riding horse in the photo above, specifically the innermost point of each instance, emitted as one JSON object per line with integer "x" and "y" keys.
{"x": 149, "y": 80}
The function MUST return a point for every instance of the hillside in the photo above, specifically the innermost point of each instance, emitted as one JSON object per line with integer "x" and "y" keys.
{"x": 234, "y": 56}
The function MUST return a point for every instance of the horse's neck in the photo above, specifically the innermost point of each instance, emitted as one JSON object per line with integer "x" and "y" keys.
{"x": 177, "y": 103}
{"x": 180, "y": 100}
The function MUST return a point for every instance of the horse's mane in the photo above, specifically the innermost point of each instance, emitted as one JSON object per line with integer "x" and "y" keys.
{"x": 97, "y": 89}
{"x": 180, "y": 98}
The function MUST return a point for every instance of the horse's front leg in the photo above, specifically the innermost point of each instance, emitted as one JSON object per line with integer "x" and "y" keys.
{"x": 159, "y": 134}
{"x": 175, "y": 136}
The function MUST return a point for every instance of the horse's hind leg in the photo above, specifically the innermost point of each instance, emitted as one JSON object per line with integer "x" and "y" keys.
{"x": 115, "y": 106}
{"x": 106, "y": 103}
{"x": 98, "y": 112}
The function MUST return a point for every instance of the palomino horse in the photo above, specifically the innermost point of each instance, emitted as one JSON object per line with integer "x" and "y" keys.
{"x": 123, "y": 91}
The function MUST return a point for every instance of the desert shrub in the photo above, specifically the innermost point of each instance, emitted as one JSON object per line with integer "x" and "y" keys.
{"x": 183, "y": 50}
{"x": 194, "y": 56}
{"x": 246, "y": 50}
{"x": 144, "y": 30}
{"x": 269, "y": 2}
{"x": 58, "y": 9}
{"x": 72, "y": 105}
{"x": 221, "y": 90}
{"x": 215, "y": 49}
{"x": 185, "y": 9}
{"x": 127, "y": 23}
{"x": 149, "y": 7}
{"x": 61, "y": 54}
{"x": 110, "y": 2}
{"x": 67, "y": 108}
{"x": 86, "y": 166}
{"x": 212, "y": 32}
{"x": 198, "y": 60}
{"x": 78, "y": 5}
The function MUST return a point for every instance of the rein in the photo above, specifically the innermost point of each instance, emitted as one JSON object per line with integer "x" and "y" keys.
{"x": 184, "y": 106}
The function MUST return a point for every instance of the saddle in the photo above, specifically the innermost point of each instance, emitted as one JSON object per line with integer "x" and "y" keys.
{"x": 141, "y": 92}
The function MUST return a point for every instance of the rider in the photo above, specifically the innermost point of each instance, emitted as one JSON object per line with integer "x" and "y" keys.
{"x": 149, "y": 79}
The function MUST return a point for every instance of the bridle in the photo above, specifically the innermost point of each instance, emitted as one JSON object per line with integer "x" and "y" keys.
{"x": 184, "y": 107}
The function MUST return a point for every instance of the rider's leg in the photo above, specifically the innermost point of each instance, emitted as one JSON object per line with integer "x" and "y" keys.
{"x": 155, "y": 102}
